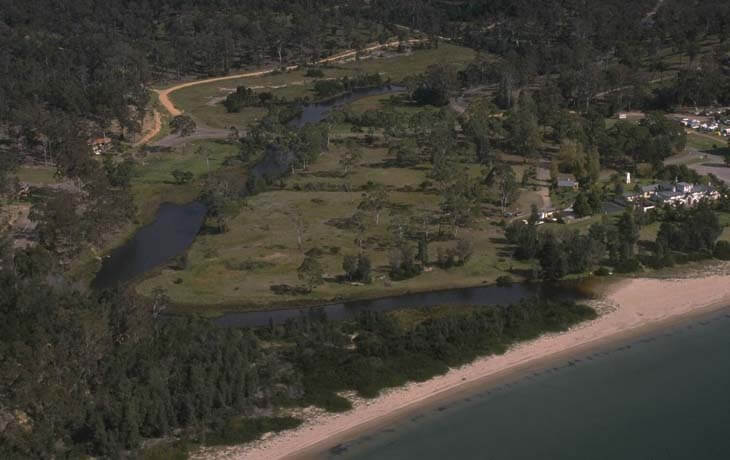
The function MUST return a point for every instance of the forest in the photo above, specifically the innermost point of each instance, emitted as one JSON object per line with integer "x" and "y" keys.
{"x": 96, "y": 374}
{"x": 419, "y": 186}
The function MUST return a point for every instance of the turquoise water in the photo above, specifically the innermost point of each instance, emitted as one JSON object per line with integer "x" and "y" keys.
{"x": 664, "y": 395}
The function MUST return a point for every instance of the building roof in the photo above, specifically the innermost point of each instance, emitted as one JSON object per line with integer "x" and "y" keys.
{"x": 567, "y": 183}
{"x": 100, "y": 141}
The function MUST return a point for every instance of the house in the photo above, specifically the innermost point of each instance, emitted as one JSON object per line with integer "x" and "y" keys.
{"x": 684, "y": 193}
{"x": 567, "y": 183}
{"x": 100, "y": 145}
{"x": 648, "y": 190}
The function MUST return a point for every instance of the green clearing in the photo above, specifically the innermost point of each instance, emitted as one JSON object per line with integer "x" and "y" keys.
{"x": 705, "y": 142}
{"x": 153, "y": 184}
{"x": 37, "y": 175}
{"x": 200, "y": 100}
{"x": 264, "y": 232}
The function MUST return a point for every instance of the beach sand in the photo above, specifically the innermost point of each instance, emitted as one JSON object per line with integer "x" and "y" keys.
{"x": 627, "y": 305}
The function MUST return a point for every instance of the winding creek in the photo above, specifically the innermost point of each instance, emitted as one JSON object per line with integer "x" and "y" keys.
{"x": 313, "y": 113}
{"x": 477, "y": 296}
{"x": 176, "y": 226}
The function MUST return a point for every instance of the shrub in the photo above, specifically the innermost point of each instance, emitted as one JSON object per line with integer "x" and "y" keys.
{"x": 456, "y": 256}
{"x": 602, "y": 271}
{"x": 285, "y": 289}
{"x": 314, "y": 73}
{"x": 247, "y": 265}
{"x": 242, "y": 430}
{"x": 628, "y": 266}
{"x": 722, "y": 250}
{"x": 179, "y": 263}
{"x": 182, "y": 177}
{"x": 504, "y": 281}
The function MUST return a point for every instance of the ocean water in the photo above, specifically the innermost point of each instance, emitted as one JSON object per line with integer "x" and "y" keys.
{"x": 662, "y": 395}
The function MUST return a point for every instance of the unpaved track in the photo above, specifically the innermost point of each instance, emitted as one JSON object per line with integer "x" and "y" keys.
{"x": 543, "y": 175}
{"x": 156, "y": 127}
{"x": 164, "y": 94}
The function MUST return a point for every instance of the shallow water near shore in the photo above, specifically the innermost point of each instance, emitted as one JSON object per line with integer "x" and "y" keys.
{"x": 663, "y": 393}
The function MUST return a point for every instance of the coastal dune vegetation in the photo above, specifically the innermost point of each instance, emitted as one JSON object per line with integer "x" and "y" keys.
{"x": 130, "y": 375}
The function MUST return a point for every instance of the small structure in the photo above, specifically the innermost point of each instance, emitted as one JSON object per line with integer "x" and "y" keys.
{"x": 684, "y": 193}
{"x": 100, "y": 145}
{"x": 628, "y": 178}
{"x": 547, "y": 214}
{"x": 567, "y": 183}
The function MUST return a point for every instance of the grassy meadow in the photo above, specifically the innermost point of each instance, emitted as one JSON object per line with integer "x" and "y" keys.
{"x": 204, "y": 100}
{"x": 264, "y": 233}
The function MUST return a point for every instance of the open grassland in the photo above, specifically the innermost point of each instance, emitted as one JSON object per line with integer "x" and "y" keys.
{"x": 153, "y": 183}
{"x": 235, "y": 270}
{"x": 203, "y": 101}
{"x": 705, "y": 142}
{"x": 37, "y": 175}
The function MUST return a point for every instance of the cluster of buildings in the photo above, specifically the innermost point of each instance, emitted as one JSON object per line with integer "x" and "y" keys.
{"x": 100, "y": 145}
{"x": 676, "y": 194}
{"x": 708, "y": 127}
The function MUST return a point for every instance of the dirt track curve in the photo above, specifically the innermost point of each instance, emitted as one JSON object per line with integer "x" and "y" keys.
{"x": 156, "y": 127}
{"x": 164, "y": 94}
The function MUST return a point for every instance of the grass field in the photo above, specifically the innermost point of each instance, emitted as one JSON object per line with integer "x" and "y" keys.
{"x": 705, "y": 142}
{"x": 264, "y": 232}
{"x": 37, "y": 175}
{"x": 200, "y": 100}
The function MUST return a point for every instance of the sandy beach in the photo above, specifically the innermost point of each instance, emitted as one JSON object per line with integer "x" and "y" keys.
{"x": 625, "y": 306}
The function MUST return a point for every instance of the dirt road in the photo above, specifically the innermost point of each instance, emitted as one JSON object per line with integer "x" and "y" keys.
{"x": 543, "y": 174}
{"x": 204, "y": 132}
{"x": 164, "y": 94}
{"x": 156, "y": 127}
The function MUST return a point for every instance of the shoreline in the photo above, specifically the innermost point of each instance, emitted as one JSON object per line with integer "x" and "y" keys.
{"x": 629, "y": 307}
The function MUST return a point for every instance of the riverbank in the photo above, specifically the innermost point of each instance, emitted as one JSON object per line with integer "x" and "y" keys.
{"x": 627, "y": 306}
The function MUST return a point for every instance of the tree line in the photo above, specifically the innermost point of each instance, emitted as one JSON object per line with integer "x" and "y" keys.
{"x": 98, "y": 373}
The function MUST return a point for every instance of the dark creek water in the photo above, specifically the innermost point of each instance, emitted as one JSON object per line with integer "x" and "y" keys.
{"x": 312, "y": 113}
{"x": 175, "y": 226}
{"x": 485, "y": 295}
{"x": 173, "y": 230}
{"x": 660, "y": 395}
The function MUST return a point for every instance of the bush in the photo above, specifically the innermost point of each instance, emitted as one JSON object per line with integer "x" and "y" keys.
{"x": 504, "y": 281}
{"x": 179, "y": 262}
{"x": 182, "y": 177}
{"x": 314, "y": 73}
{"x": 602, "y": 271}
{"x": 628, "y": 266}
{"x": 247, "y": 265}
{"x": 456, "y": 256}
{"x": 174, "y": 451}
{"x": 722, "y": 250}
{"x": 242, "y": 430}
{"x": 314, "y": 252}
{"x": 285, "y": 289}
